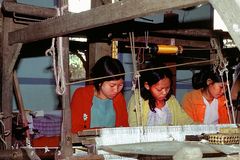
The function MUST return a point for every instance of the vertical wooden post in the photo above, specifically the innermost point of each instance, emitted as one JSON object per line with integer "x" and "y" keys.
{"x": 97, "y": 50}
{"x": 66, "y": 140}
{"x": 1, "y": 61}
{"x": 7, "y": 57}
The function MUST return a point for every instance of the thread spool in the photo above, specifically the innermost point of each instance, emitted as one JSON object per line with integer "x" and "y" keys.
{"x": 165, "y": 49}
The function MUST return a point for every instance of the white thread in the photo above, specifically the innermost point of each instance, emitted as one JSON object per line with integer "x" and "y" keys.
{"x": 135, "y": 79}
{"x": 58, "y": 71}
{"x": 61, "y": 87}
{"x": 172, "y": 42}
{"x": 222, "y": 68}
{"x": 123, "y": 135}
{"x": 58, "y": 68}
{"x": 46, "y": 149}
{"x": 146, "y": 39}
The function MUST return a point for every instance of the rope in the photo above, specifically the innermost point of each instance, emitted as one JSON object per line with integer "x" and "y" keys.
{"x": 222, "y": 68}
{"x": 2, "y": 136}
{"x": 136, "y": 79}
{"x": 221, "y": 74}
{"x": 61, "y": 86}
{"x": 58, "y": 71}
{"x": 58, "y": 68}
{"x": 146, "y": 39}
{"x": 140, "y": 56}
{"x": 4, "y": 133}
{"x": 141, "y": 50}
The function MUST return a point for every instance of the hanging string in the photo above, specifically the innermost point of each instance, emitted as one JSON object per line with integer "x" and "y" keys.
{"x": 222, "y": 68}
{"x": 61, "y": 86}
{"x": 2, "y": 136}
{"x": 136, "y": 80}
{"x": 58, "y": 68}
{"x": 134, "y": 77}
{"x": 146, "y": 39}
{"x": 141, "y": 50}
{"x": 140, "y": 55}
{"x": 230, "y": 100}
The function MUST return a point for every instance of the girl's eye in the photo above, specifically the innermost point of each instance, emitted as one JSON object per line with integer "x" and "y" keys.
{"x": 112, "y": 85}
{"x": 159, "y": 90}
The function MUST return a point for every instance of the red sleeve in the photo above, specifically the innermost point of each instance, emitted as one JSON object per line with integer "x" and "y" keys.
{"x": 76, "y": 111}
{"x": 81, "y": 105}
{"x": 121, "y": 111}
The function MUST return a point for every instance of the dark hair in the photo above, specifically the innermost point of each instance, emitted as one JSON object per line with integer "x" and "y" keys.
{"x": 152, "y": 77}
{"x": 107, "y": 66}
{"x": 199, "y": 80}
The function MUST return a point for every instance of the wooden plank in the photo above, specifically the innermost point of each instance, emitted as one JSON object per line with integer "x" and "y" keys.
{"x": 8, "y": 57}
{"x": 1, "y": 62}
{"x": 6, "y": 79}
{"x": 96, "y": 3}
{"x": 167, "y": 41}
{"x": 88, "y": 157}
{"x": 188, "y": 32}
{"x": 89, "y": 132}
{"x": 24, "y": 9}
{"x": 100, "y": 16}
{"x": 14, "y": 58}
{"x": 66, "y": 140}
{"x": 20, "y": 105}
{"x": 97, "y": 50}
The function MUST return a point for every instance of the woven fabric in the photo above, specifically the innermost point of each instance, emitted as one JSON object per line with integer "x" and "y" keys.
{"x": 48, "y": 125}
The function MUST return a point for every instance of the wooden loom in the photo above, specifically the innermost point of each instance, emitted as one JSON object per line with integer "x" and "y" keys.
{"x": 24, "y": 35}
{"x": 134, "y": 142}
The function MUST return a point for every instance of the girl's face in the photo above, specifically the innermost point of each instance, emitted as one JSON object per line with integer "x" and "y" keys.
{"x": 109, "y": 89}
{"x": 216, "y": 89}
{"x": 160, "y": 89}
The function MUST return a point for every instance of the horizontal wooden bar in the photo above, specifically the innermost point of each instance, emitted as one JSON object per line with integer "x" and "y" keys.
{"x": 100, "y": 16}
{"x": 30, "y": 10}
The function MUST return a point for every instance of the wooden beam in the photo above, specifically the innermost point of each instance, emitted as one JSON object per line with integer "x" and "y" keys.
{"x": 188, "y": 32}
{"x": 97, "y": 50}
{"x": 66, "y": 140}
{"x": 6, "y": 82}
{"x": 30, "y": 10}
{"x": 20, "y": 106}
{"x": 168, "y": 41}
{"x": 89, "y": 157}
{"x": 100, "y": 16}
{"x": 97, "y": 3}
{"x": 16, "y": 51}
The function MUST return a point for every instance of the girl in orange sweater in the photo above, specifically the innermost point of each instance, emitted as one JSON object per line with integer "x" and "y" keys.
{"x": 207, "y": 103}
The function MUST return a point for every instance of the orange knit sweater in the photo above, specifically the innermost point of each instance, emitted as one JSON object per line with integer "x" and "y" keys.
{"x": 194, "y": 106}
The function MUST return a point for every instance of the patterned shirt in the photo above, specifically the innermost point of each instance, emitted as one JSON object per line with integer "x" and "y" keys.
{"x": 162, "y": 116}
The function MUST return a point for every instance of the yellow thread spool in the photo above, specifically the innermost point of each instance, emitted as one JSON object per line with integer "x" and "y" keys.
{"x": 168, "y": 49}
